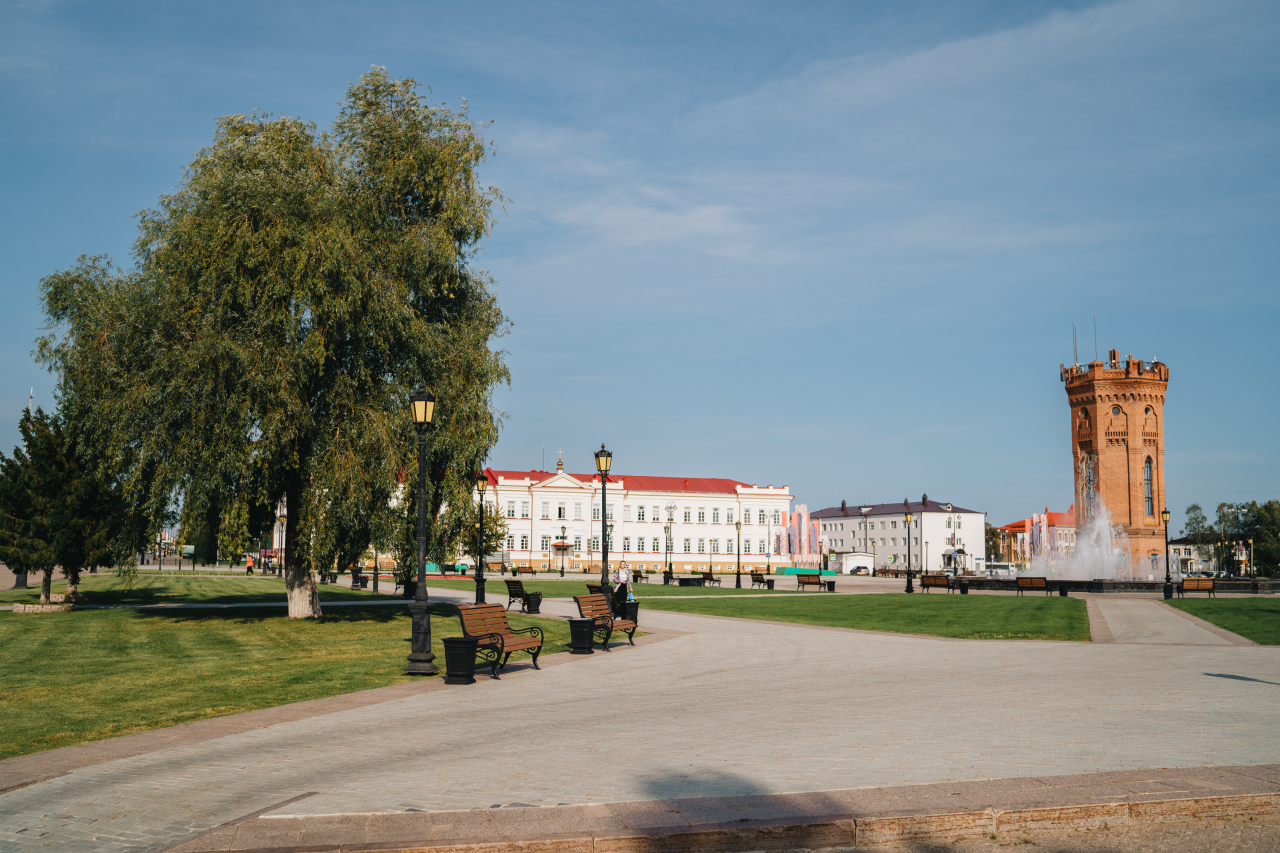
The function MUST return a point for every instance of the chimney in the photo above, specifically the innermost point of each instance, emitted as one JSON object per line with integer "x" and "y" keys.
{"x": 844, "y": 508}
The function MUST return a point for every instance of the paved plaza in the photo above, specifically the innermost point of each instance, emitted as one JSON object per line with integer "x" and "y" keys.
{"x": 715, "y": 707}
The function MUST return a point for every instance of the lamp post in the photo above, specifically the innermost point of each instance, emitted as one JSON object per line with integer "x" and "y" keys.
{"x": 768, "y": 545}
{"x": 604, "y": 460}
{"x": 1168, "y": 580}
{"x": 421, "y": 659}
{"x": 564, "y": 546}
{"x": 482, "y": 481}
{"x": 666, "y": 554}
{"x": 1253, "y": 570}
{"x": 906, "y": 506}
{"x": 738, "y": 525}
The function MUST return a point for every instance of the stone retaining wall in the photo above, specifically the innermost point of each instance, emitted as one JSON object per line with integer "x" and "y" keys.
{"x": 43, "y": 608}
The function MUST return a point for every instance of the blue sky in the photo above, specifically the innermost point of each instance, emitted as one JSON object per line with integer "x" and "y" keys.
{"x": 833, "y": 245}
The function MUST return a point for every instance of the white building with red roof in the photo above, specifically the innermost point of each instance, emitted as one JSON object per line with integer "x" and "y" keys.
{"x": 554, "y": 520}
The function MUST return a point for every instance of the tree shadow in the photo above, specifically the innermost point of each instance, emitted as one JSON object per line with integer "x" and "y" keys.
{"x": 248, "y": 615}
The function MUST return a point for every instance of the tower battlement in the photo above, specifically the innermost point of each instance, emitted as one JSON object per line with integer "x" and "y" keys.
{"x": 1117, "y": 443}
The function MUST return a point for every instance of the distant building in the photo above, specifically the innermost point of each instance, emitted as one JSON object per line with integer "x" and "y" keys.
{"x": 541, "y": 507}
{"x": 1047, "y": 533}
{"x": 943, "y": 536}
{"x": 1186, "y": 556}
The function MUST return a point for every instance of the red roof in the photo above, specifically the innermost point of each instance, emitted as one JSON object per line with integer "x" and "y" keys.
{"x": 1056, "y": 519}
{"x": 705, "y": 485}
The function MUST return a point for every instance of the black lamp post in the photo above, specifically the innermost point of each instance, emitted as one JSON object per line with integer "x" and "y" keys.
{"x": 421, "y": 658}
{"x": 564, "y": 546}
{"x": 906, "y": 506}
{"x": 604, "y": 460}
{"x": 1168, "y": 579}
{"x": 666, "y": 554}
{"x": 738, "y": 525}
{"x": 482, "y": 481}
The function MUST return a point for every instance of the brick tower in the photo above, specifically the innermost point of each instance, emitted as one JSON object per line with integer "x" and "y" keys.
{"x": 1117, "y": 443}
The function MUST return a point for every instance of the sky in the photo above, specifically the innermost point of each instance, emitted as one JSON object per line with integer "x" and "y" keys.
{"x": 833, "y": 245}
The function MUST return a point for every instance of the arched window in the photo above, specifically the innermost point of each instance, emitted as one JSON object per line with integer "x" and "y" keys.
{"x": 1146, "y": 486}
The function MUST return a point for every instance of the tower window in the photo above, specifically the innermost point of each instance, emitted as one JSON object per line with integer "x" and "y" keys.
{"x": 1115, "y": 410}
{"x": 1146, "y": 486}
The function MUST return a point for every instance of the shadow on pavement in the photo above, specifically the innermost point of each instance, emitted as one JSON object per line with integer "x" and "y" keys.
{"x": 1240, "y": 678}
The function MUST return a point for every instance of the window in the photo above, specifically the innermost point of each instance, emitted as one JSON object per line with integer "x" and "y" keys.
{"x": 626, "y": 543}
{"x": 760, "y": 516}
{"x": 882, "y": 525}
{"x": 577, "y": 511}
{"x": 524, "y": 509}
{"x": 562, "y": 512}
{"x": 1115, "y": 410}
{"x": 715, "y": 515}
{"x": 639, "y": 513}
{"x": 1146, "y": 486}
{"x": 715, "y": 546}
{"x": 654, "y": 515}
{"x": 746, "y": 546}
{"x": 511, "y": 543}
{"x": 546, "y": 542}
{"x": 595, "y": 512}
{"x": 595, "y": 543}
{"x": 656, "y": 548}
{"x": 702, "y": 546}
{"x": 958, "y": 520}
{"x": 728, "y": 516}
{"x": 760, "y": 545}
{"x": 702, "y": 515}
{"x": 524, "y": 542}
{"x": 893, "y": 525}
{"x": 881, "y": 541}
{"x": 609, "y": 513}
{"x": 917, "y": 540}
{"x": 546, "y": 509}
{"x": 626, "y": 512}
{"x": 511, "y": 509}
{"x": 640, "y": 544}
{"x": 577, "y": 543}
{"x": 687, "y": 547}
{"x": 893, "y": 541}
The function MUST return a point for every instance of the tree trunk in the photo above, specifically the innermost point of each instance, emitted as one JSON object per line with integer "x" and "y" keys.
{"x": 73, "y": 586}
{"x": 299, "y": 583}
{"x": 45, "y": 585}
{"x": 19, "y": 580}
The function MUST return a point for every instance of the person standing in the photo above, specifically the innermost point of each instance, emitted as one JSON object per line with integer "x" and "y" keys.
{"x": 621, "y": 589}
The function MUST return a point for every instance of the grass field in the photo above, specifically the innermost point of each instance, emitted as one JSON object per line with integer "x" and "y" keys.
{"x": 577, "y": 585}
{"x": 173, "y": 588}
{"x": 68, "y": 678}
{"x": 978, "y": 617}
{"x": 1255, "y": 618}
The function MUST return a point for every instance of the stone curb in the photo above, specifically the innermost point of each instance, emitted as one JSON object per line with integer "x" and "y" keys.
{"x": 822, "y": 832}
{"x": 43, "y": 608}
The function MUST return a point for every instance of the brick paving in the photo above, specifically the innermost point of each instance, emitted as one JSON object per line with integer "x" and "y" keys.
{"x": 731, "y": 708}
{"x": 1144, "y": 620}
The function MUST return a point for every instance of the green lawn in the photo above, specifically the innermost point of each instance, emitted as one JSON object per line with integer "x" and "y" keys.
{"x": 172, "y": 588}
{"x": 977, "y": 617}
{"x": 577, "y": 585}
{"x": 1256, "y": 618}
{"x": 68, "y": 678}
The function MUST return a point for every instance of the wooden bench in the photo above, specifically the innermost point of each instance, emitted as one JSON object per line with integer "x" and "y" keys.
{"x": 1034, "y": 583}
{"x": 488, "y": 624}
{"x": 515, "y": 592}
{"x": 757, "y": 579}
{"x": 448, "y": 570}
{"x": 524, "y": 570}
{"x": 640, "y": 576}
{"x": 1196, "y": 585}
{"x": 596, "y": 608}
{"x": 809, "y": 580}
{"x": 595, "y": 589}
{"x": 933, "y": 579}
{"x": 708, "y": 579}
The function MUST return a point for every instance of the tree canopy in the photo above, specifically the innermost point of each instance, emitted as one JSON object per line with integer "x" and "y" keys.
{"x": 284, "y": 302}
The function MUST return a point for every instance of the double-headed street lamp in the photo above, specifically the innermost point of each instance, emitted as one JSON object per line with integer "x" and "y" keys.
{"x": 604, "y": 460}
{"x": 1168, "y": 579}
{"x": 906, "y": 506}
{"x": 738, "y": 525}
{"x": 482, "y": 481}
{"x": 421, "y": 659}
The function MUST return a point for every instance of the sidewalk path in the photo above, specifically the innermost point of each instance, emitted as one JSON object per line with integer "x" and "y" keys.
{"x": 1146, "y": 620}
{"x": 732, "y": 708}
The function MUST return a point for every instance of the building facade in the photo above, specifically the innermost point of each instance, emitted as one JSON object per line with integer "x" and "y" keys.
{"x": 555, "y": 519}
{"x": 1040, "y": 533}
{"x": 1117, "y": 443}
{"x": 943, "y": 536}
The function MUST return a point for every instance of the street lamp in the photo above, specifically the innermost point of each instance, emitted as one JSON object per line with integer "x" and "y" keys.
{"x": 564, "y": 546}
{"x": 906, "y": 506}
{"x": 738, "y": 525}
{"x": 482, "y": 482}
{"x": 666, "y": 554}
{"x": 1168, "y": 580}
{"x": 604, "y": 460}
{"x": 421, "y": 659}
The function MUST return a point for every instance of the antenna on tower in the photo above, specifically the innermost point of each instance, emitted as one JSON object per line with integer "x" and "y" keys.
{"x": 1075, "y": 351}
{"x": 1095, "y": 337}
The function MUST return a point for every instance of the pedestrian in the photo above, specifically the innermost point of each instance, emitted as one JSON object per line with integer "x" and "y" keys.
{"x": 621, "y": 589}
{"x": 248, "y": 565}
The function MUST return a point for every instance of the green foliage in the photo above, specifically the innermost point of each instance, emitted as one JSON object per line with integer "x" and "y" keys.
{"x": 284, "y": 302}
{"x": 55, "y": 508}
{"x": 1256, "y": 618}
{"x": 993, "y": 542}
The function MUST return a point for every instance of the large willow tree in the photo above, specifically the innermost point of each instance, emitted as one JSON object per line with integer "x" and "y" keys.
{"x": 283, "y": 303}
